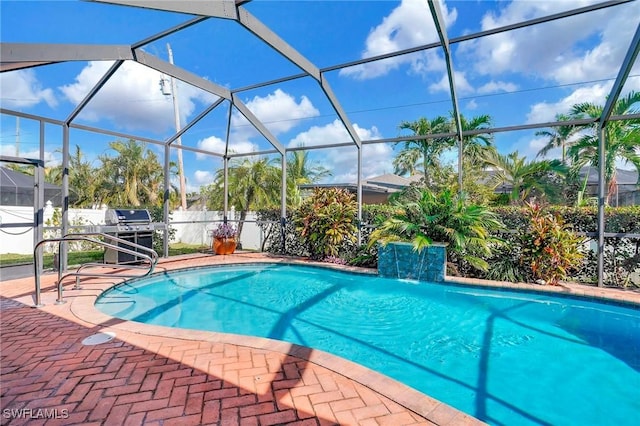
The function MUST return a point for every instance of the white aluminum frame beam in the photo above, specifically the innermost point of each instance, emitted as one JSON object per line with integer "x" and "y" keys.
{"x": 15, "y": 56}
{"x": 625, "y": 70}
{"x": 260, "y": 127}
{"x": 174, "y": 71}
{"x": 438, "y": 20}
{"x": 225, "y": 9}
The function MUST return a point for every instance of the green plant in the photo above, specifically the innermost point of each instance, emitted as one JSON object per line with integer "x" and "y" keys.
{"x": 157, "y": 215}
{"x": 326, "y": 221}
{"x": 76, "y": 225}
{"x": 549, "y": 247}
{"x": 423, "y": 217}
{"x": 505, "y": 263}
{"x": 364, "y": 256}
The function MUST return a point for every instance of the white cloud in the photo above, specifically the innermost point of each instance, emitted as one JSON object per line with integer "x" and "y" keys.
{"x": 554, "y": 50}
{"x": 132, "y": 99}
{"x": 496, "y": 86}
{"x": 332, "y": 133}
{"x": 217, "y": 145}
{"x": 21, "y": 89}
{"x": 278, "y": 111}
{"x": 471, "y": 105}
{"x": 462, "y": 85}
{"x": 408, "y": 25}
{"x": 546, "y": 111}
{"x": 202, "y": 177}
{"x": 342, "y": 162}
{"x": 376, "y": 160}
{"x": 51, "y": 159}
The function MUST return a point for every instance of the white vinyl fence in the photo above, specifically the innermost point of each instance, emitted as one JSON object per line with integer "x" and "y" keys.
{"x": 191, "y": 227}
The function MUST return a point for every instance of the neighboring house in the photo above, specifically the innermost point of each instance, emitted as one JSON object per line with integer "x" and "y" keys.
{"x": 16, "y": 189}
{"x": 375, "y": 190}
{"x": 628, "y": 193}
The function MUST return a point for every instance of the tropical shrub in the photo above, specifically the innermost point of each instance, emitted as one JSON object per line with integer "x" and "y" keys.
{"x": 327, "y": 221}
{"x": 423, "y": 217}
{"x": 621, "y": 254}
{"x": 549, "y": 247}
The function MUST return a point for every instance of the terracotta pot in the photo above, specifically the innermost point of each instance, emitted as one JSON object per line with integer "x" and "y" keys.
{"x": 224, "y": 245}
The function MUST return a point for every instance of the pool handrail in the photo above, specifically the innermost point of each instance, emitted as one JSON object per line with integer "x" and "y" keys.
{"x": 152, "y": 258}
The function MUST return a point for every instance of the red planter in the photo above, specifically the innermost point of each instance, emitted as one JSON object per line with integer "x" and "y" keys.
{"x": 224, "y": 245}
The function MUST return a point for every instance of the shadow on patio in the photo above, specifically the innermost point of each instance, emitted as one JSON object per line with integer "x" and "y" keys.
{"x": 47, "y": 371}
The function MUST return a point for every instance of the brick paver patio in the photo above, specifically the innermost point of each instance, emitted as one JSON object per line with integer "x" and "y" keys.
{"x": 160, "y": 376}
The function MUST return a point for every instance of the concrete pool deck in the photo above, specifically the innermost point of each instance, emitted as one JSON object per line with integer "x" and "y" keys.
{"x": 157, "y": 375}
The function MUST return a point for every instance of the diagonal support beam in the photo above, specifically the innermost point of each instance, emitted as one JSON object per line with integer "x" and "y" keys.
{"x": 167, "y": 68}
{"x": 260, "y": 127}
{"x": 343, "y": 116}
{"x": 260, "y": 30}
{"x": 94, "y": 90}
{"x": 438, "y": 20}
{"x": 263, "y": 32}
{"x": 217, "y": 9}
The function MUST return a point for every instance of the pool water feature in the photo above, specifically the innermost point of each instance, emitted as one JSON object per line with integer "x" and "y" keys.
{"x": 508, "y": 358}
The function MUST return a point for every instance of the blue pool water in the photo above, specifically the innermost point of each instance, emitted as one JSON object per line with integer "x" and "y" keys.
{"x": 508, "y": 358}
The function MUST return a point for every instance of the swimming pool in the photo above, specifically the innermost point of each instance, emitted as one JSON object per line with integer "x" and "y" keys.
{"x": 504, "y": 357}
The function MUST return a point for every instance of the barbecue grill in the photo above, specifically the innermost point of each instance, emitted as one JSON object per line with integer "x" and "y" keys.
{"x": 131, "y": 225}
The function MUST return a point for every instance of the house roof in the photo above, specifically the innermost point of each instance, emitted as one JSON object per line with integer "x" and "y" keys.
{"x": 387, "y": 183}
{"x": 390, "y": 183}
{"x": 11, "y": 180}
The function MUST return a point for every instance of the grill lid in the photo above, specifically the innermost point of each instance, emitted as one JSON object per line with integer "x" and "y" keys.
{"x": 126, "y": 216}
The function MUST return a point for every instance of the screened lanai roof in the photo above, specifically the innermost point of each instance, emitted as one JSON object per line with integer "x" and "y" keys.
{"x": 221, "y": 79}
{"x": 269, "y": 76}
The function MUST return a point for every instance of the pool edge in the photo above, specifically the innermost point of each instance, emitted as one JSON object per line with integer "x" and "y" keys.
{"x": 420, "y": 403}
{"x": 438, "y": 412}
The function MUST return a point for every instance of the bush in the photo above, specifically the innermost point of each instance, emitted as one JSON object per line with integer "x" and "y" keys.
{"x": 422, "y": 217}
{"x": 327, "y": 221}
{"x": 549, "y": 247}
{"x": 621, "y": 255}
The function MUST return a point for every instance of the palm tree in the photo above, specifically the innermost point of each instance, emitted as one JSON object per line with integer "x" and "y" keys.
{"x": 82, "y": 181}
{"x": 424, "y": 151}
{"x": 558, "y": 137}
{"x": 524, "y": 178}
{"x": 622, "y": 139}
{"x": 132, "y": 178}
{"x": 252, "y": 185}
{"x": 407, "y": 162}
{"x": 302, "y": 171}
{"x": 474, "y": 147}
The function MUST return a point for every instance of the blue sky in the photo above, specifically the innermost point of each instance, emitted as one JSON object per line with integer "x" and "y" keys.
{"x": 524, "y": 76}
